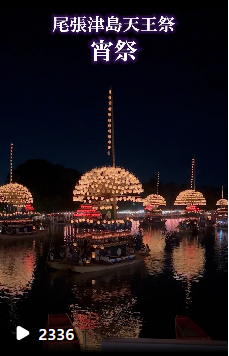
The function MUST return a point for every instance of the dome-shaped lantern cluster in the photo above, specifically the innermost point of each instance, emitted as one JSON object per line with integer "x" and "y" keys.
{"x": 14, "y": 194}
{"x": 190, "y": 197}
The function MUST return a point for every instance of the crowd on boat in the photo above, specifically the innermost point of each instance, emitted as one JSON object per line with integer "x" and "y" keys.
{"x": 86, "y": 251}
{"x": 189, "y": 224}
{"x": 104, "y": 225}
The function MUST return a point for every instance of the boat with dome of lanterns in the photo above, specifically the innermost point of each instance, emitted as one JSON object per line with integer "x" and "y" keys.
{"x": 99, "y": 246}
{"x": 191, "y": 199}
{"x": 153, "y": 215}
{"x": 18, "y": 218}
{"x": 100, "y": 241}
{"x": 221, "y": 214}
{"x": 20, "y": 224}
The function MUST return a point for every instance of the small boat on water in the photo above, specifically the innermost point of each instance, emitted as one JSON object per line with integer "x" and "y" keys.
{"x": 189, "y": 225}
{"x": 186, "y": 329}
{"x": 221, "y": 218}
{"x": 153, "y": 218}
{"x": 64, "y": 337}
{"x": 154, "y": 221}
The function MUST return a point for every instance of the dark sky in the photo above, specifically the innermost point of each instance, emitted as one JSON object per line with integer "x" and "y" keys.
{"x": 169, "y": 106}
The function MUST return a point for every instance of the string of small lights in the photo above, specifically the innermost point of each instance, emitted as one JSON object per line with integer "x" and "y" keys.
{"x": 190, "y": 196}
{"x": 154, "y": 200}
{"x": 101, "y": 184}
{"x": 103, "y": 187}
{"x": 13, "y": 193}
{"x": 222, "y": 202}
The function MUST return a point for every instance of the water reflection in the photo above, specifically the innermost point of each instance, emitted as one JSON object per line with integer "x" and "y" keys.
{"x": 188, "y": 263}
{"x": 188, "y": 259}
{"x": 105, "y": 307}
{"x": 185, "y": 258}
{"x": 17, "y": 265}
{"x": 221, "y": 245}
{"x": 172, "y": 224}
{"x": 124, "y": 303}
{"x": 156, "y": 242}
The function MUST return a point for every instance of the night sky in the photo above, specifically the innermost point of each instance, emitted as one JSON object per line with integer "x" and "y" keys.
{"x": 169, "y": 106}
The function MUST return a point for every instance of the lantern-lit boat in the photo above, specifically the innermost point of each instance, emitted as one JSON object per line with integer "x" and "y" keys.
{"x": 153, "y": 217}
{"x": 100, "y": 251}
{"x": 16, "y": 228}
{"x": 63, "y": 337}
{"x": 56, "y": 218}
{"x": 186, "y": 329}
{"x": 221, "y": 215}
{"x": 189, "y": 225}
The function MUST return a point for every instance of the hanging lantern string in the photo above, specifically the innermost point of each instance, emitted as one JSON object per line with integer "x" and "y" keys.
{"x": 157, "y": 181}
{"x": 11, "y": 162}
{"x": 192, "y": 174}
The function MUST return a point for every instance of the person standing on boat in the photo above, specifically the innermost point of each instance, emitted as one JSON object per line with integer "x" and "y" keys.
{"x": 67, "y": 252}
{"x": 51, "y": 256}
{"x": 97, "y": 255}
{"x": 84, "y": 259}
{"x": 119, "y": 251}
{"x": 74, "y": 254}
{"x": 61, "y": 255}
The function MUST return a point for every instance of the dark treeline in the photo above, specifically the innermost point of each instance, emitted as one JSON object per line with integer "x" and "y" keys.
{"x": 170, "y": 191}
{"x": 52, "y": 187}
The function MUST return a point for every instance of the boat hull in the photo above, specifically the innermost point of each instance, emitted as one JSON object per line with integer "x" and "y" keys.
{"x": 186, "y": 329}
{"x": 101, "y": 268}
{"x": 59, "y": 265}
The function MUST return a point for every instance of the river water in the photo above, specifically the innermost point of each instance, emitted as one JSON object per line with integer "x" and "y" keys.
{"x": 189, "y": 277}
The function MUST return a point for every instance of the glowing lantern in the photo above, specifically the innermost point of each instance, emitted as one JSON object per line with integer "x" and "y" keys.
{"x": 190, "y": 197}
{"x": 107, "y": 178}
{"x": 153, "y": 200}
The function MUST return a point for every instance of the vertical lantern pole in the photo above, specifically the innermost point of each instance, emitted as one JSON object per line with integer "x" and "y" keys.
{"x": 157, "y": 181}
{"x": 111, "y": 149}
{"x": 11, "y": 162}
{"x": 192, "y": 174}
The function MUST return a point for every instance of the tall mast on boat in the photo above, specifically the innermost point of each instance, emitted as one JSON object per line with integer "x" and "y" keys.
{"x": 222, "y": 191}
{"x": 193, "y": 174}
{"x": 157, "y": 182}
{"x": 111, "y": 149}
{"x": 11, "y": 162}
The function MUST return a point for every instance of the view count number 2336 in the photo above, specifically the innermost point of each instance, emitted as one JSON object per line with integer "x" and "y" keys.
{"x": 56, "y": 334}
